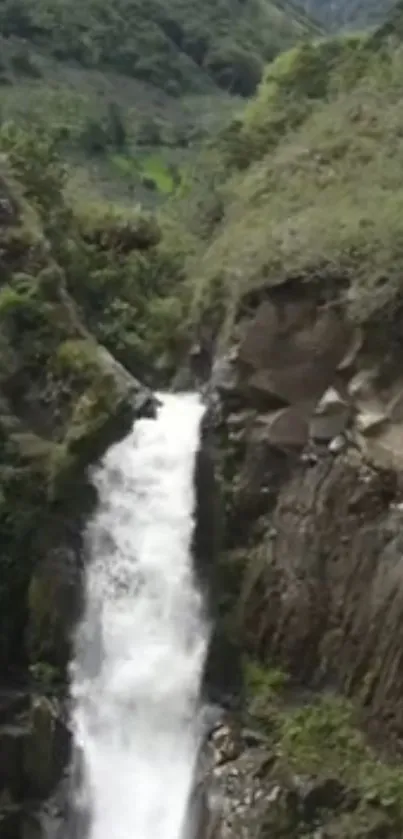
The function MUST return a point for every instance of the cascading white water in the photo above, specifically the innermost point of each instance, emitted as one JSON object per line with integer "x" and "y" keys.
{"x": 142, "y": 642}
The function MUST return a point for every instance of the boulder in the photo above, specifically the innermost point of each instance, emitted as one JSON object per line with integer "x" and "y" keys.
{"x": 331, "y": 416}
{"x": 286, "y": 429}
{"x": 290, "y": 352}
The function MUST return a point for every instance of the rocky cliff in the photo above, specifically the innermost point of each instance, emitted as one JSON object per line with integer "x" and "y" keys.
{"x": 300, "y": 284}
{"x": 312, "y": 469}
{"x": 308, "y": 430}
{"x": 299, "y": 347}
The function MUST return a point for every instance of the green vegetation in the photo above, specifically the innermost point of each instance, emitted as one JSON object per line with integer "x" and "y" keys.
{"x": 173, "y": 45}
{"x": 353, "y": 791}
{"x": 263, "y": 683}
{"x": 132, "y": 89}
{"x": 319, "y": 192}
{"x": 73, "y": 275}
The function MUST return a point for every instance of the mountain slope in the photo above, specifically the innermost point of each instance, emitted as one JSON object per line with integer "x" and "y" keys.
{"x": 177, "y": 45}
{"x": 320, "y": 189}
{"x": 132, "y": 87}
{"x": 336, "y": 14}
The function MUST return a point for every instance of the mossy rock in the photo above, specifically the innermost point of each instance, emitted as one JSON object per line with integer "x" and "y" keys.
{"x": 103, "y": 412}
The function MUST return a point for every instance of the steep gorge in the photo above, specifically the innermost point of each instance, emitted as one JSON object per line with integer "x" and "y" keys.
{"x": 291, "y": 293}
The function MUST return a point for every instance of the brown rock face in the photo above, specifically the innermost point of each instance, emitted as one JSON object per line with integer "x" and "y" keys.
{"x": 313, "y": 454}
{"x": 326, "y": 598}
{"x": 290, "y": 351}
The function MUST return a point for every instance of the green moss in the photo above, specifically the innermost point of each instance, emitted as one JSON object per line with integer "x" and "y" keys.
{"x": 100, "y": 414}
{"x": 90, "y": 412}
{"x": 324, "y": 738}
{"x": 317, "y": 741}
{"x": 263, "y": 683}
{"x": 77, "y": 358}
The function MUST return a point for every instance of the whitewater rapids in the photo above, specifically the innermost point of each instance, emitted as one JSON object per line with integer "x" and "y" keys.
{"x": 142, "y": 642}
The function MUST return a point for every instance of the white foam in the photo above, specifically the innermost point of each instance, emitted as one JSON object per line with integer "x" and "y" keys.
{"x": 142, "y": 642}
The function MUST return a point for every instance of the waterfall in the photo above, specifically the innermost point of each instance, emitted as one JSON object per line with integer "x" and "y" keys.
{"x": 142, "y": 642}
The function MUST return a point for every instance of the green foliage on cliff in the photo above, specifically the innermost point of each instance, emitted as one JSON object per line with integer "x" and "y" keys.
{"x": 319, "y": 195}
{"x": 292, "y": 87}
{"x": 77, "y": 280}
{"x": 350, "y": 790}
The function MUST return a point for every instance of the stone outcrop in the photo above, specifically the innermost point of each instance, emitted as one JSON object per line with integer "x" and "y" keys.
{"x": 324, "y": 593}
{"x": 251, "y": 789}
{"x": 308, "y": 375}
{"x": 310, "y": 430}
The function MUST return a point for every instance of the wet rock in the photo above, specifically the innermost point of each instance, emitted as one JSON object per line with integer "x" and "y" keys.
{"x": 46, "y": 749}
{"x": 12, "y": 704}
{"x": 54, "y": 601}
{"x": 201, "y": 361}
{"x": 224, "y": 376}
{"x": 208, "y": 513}
{"x": 13, "y": 740}
{"x": 286, "y": 429}
{"x": 263, "y": 466}
{"x": 222, "y": 677}
{"x": 226, "y": 744}
{"x": 11, "y": 822}
{"x": 316, "y": 795}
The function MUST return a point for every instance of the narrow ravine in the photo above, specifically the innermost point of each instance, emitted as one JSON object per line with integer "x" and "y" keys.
{"x": 142, "y": 643}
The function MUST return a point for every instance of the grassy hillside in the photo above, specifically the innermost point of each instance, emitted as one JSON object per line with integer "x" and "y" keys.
{"x": 131, "y": 88}
{"x": 123, "y": 137}
{"x": 316, "y": 190}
